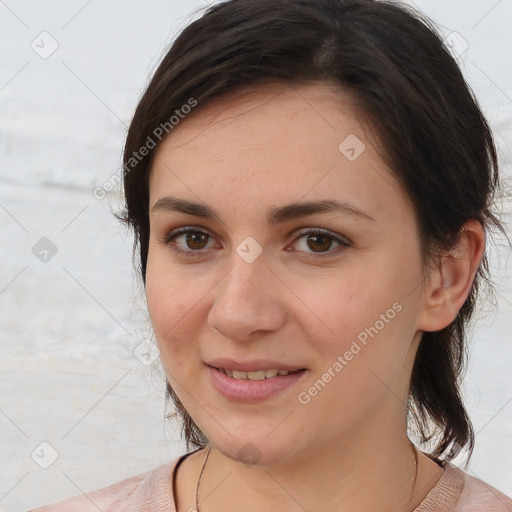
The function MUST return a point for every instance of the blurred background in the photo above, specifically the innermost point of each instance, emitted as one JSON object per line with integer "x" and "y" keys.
{"x": 82, "y": 401}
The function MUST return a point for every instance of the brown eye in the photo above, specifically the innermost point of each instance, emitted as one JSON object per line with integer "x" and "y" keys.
{"x": 196, "y": 240}
{"x": 187, "y": 241}
{"x": 315, "y": 242}
{"x": 320, "y": 241}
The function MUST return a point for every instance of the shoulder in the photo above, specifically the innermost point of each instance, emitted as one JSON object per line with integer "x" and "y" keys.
{"x": 149, "y": 491}
{"x": 479, "y": 496}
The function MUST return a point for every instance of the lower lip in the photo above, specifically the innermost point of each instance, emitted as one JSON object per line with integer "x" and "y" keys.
{"x": 245, "y": 390}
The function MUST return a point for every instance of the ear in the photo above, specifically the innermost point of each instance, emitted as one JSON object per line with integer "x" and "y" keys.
{"x": 449, "y": 284}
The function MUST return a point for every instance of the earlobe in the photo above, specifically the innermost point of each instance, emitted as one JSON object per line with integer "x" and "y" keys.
{"x": 450, "y": 282}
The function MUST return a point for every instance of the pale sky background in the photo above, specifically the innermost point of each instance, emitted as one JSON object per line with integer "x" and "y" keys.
{"x": 69, "y": 327}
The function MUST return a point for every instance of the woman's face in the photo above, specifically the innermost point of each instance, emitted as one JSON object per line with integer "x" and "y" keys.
{"x": 332, "y": 291}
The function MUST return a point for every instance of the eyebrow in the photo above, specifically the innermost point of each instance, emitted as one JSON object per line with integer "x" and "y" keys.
{"x": 275, "y": 215}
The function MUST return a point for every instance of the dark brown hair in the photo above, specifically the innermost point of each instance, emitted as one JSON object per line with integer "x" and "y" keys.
{"x": 404, "y": 81}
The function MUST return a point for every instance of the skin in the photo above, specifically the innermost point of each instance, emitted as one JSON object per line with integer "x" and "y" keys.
{"x": 347, "y": 448}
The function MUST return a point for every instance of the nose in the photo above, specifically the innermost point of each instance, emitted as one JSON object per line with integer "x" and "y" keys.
{"x": 247, "y": 301}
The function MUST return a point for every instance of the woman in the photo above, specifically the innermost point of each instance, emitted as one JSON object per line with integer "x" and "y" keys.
{"x": 310, "y": 183}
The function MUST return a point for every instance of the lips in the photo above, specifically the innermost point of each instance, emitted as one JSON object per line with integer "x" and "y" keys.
{"x": 247, "y": 390}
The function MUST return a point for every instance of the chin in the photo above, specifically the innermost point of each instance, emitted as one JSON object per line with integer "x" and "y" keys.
{"x": 258, "y": 449}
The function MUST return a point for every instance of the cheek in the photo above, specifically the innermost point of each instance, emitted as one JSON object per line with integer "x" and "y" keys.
{"x": 367, "y": 317}
{"x": 172, "y": 302}
{"x": 343, "y": 305}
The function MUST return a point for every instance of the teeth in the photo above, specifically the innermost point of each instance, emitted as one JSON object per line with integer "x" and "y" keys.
{"x": 256, "y": 375}
{"x": 259, "y": 375}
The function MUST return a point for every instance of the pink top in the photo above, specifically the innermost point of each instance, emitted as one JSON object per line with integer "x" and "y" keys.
{"x": 456, "y": 491}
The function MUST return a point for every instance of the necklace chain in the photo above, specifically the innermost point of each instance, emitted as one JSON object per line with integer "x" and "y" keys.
{"x": 413, "y": 477}
{"x": 199, "y": 480}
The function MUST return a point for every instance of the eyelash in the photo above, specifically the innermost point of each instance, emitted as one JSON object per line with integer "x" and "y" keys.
{"x": 168, "y": 240}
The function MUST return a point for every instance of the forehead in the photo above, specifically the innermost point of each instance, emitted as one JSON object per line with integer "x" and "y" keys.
{"x": 274, "y": 141}
{"x": 259, "y": 111}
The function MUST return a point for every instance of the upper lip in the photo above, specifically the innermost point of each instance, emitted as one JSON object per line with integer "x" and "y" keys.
{"x": 252, "y": 366}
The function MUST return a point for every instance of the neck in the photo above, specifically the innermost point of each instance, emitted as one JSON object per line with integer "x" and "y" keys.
{"x": 370, "y": 470}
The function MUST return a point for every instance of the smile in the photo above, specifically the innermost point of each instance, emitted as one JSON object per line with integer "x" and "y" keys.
{"x": 258, "y": 375}
{"x": 254, "y": 386}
